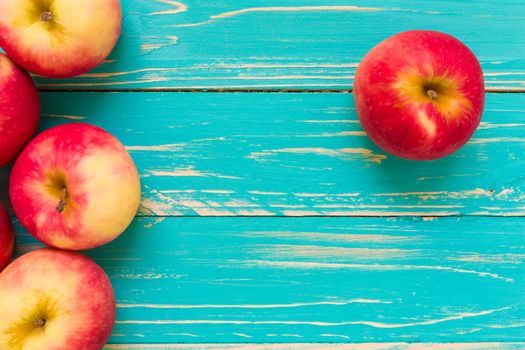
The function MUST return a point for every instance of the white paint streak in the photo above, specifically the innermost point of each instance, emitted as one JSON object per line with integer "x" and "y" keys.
{"x": 300, "y": 213}
{"x": 310, "y": 194}
{"x": 189, "y": 172}
{"x": 179, "y": 7}
{"x": 240, "y": 204}
{"x": 221, "y": 87}
{"x": 485, "y": 125}
{"x": 366, "y": 206}
{"x": 490, "y": 258}
{"x": 423, "y": 178}
{"x": 510, "y": 325}
{"x": 184, "y": 334}
{"x": 213, "y": 212}
{"x": 148, "y": 276}
{"x": 477, "y": 192}
{"x": 148, "y": 206}
{"x": 499, "y": 74}
{"x": 372, "y": 267}
{"x": 218, "y": 191}
{"x": 153, "y": 223}
{"x": 254, "y": 306}
{"x": 477, "y": 141}
{"x": 208, "y": 67}
{"x": 262, "y": 193}
{"x": 191, "y": 203}
{"x": 179, "y": 191}
{"x": 390, "y": 213}
{"x": 335, "y": 336}
{"x": 162, "y": 206}
{"x": 505, "y": 193}
{"x": 288, "y": 206}
{"x": 324, "y": 324}
{"x": 282, "y": 9}
{"x": 171, "y": 40}
{"x": 158, "y": 148}
{"x": 242, "y": 335}
{"x": 336, "y": 237}
{"x": 343, "y": 153}
{"x": 309, "y": 251}
{"x": 257, "y": 212}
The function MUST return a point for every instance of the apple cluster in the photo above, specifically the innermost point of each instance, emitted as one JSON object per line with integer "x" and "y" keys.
{"x": 73, "y": 186}
{"x": 419, "y": 95}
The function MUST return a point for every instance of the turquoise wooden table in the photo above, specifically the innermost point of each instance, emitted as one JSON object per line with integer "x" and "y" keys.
{"x": 269, "y": 220}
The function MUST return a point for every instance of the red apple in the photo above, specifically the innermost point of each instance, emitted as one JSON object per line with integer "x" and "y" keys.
{"x": 54, "y": 299}
{"x": 19, "y": 109}
{"x": 420, "y": 94}
{"x": 6, "y": 237}
{"x": 59, "y": 38}
{"x": 75, "y": 187}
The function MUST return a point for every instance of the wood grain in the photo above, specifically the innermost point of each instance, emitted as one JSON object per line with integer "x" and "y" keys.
{"x": 286, "y": 44}
{"x": 254, "y": 154}
{"x": 260, "y": 280}
{"x": 418, "y": 255}
{"x": 325, "y": 346}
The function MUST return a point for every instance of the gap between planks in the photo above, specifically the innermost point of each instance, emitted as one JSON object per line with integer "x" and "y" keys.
{"x": 232, "y": 90}
{"x": 423, "y": 216}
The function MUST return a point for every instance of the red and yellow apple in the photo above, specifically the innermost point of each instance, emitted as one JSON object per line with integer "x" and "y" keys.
{"x": 75, "y": 187}
{"x": 55, "y": 299}
{"x": 19, "y": 109}
{"x": 59, "y": 38}
{"x": 420, "y": 94}
{"x": 6, "y": 237}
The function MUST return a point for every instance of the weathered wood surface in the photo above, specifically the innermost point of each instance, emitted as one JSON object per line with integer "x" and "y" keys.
{"x": 260, "y": 280}
{"x": 286, "y": 44}
{"x": 256, "y": 154}
{"x": 380, "y": 283}
{"x": 325, "y": 346}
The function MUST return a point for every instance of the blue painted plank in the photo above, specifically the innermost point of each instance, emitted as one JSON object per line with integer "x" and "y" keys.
{"x": 254, "y": 154}
{"x": 320, "y": 346}
{"x": 285, "y": 44}
{"x": 260, "y": 280}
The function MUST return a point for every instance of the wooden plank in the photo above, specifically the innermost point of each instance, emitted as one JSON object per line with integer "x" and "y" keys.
{"x": 315, "y": 44}
{"x": 253, "y": 154}
{"x": 261, "y": 280}
{"x": 325, "y": 346}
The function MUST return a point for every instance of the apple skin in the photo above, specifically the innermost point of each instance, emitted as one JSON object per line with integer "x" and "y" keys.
{"x": 75, "y": 187}
{"x": 7, "y": 240}
{"x": 57, "y": 300}
{"x": 19, "y": 109}
{"x": 59, "y": 38}
{"x": 420, "y": 94}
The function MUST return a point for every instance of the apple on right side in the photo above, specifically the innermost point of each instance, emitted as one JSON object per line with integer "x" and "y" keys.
{"x": 420, "y": 94}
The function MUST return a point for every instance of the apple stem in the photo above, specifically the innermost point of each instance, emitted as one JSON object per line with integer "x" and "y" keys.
{"x": 62, "y": 203}
{"x": 46, "y": 16}
{"x": 40, "y": 322}
{"x": 432, "y": 94}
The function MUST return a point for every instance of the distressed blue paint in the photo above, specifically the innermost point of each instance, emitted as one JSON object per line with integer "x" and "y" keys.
{"x": 325, "y": 346}
{"x": 407, "y": 272}
{"x": 454, "y": 281}
{"x": 287, "y": 47}
{"x": 287, "y": 154}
